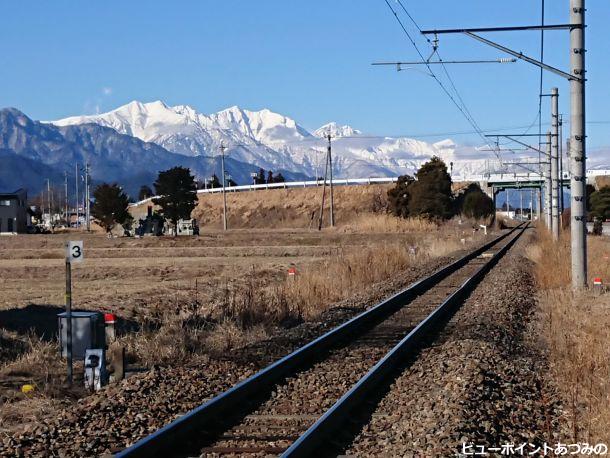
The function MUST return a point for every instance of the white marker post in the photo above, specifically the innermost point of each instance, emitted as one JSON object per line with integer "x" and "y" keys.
{"x": 74, "y": 253}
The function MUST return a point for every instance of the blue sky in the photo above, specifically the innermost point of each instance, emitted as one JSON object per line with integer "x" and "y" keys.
{"x": 309, "y": 60}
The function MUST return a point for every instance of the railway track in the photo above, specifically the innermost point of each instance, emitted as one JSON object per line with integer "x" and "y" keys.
{"x": 296, "y": 406}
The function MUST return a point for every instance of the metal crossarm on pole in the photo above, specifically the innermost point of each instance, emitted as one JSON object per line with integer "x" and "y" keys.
{"x": 518, "y": 141}
{"x": 520, "y": 55}
{"x": 431, "y": 62}
{"x": 501, "y": 29}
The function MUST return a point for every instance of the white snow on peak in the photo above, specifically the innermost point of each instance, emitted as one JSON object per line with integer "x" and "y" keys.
{"x": 336, "y": 130}
{"x": 274, "y": 141}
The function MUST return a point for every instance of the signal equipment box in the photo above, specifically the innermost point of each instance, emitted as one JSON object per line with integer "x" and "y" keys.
{"x": 87, "y": 332}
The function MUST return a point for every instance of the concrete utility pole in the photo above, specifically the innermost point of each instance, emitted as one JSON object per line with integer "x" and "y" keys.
{"x": 67, "y": 218}
{"x": 87, "y": 198}
{"x": 332, "y": 198}
{"x": 224, "y": 194}
{"x": 49, "y": 200}
{"x": 521, "y": 203}
{"x": 577, "y": 78}
{"x": 76, "y": 189}
{"x": 561, "y": 205}
{"x": 323, "y": 193}
{"x": 539, "y": 194}
{"x": 578, "y": 180}
{"x": 548, "y": 184}
{"x": 555, "y": 163}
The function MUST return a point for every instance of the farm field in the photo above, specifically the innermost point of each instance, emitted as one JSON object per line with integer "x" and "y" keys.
{"x": 181, "y": 299}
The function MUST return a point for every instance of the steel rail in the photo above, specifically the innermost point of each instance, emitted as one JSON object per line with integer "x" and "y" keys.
{"x": 169, "y": 438}
{"x": 332, "y": 420}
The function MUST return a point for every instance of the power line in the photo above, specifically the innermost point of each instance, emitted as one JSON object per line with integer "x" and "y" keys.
{"x": 471, "y": 121}
{"x": 435, "y": 50}
{"x": 541, "y": 78}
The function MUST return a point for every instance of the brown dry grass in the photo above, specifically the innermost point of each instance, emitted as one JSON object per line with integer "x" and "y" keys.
{"x": 245, "y": 313}
{"x": 196, "y": 296}
{"x": 387, "y": 223}
{"x": 576, "y": 329}
{"x": 285, "y": 208}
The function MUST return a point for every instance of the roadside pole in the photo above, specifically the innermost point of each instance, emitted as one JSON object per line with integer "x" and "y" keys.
{"x": 578, "y": 180}
{"x": 332, "y": 198}
{"x": 548, "y": 184}
{"x": 74, "y": 253}
{"x": 224, "y": 194}
{"x": 555, "y": 163}
{"x": 323, "y": 194}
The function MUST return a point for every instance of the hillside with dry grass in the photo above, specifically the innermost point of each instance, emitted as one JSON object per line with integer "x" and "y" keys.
{"x": 285, "y": 208}
{"x": 299, "y": 208}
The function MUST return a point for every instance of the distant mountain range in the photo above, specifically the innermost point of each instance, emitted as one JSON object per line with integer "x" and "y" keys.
{"x": 273, "y": 141}
{"x": 32, "y": 151}
{"x": 131, "y": 144}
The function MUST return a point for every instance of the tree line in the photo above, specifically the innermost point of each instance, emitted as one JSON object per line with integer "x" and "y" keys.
{"x": 429, "y": 195}
{"x": 177, "y": 197}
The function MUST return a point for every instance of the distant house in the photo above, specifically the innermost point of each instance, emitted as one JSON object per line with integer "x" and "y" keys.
{"x": 14, "y": 214}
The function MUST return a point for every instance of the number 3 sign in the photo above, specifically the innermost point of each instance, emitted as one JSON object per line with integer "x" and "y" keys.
{"x": 74, "y": 251}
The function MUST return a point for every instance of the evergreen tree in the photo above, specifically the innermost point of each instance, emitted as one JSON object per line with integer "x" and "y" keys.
{"x": 398, "y": 196}
{"x": 279, "y": 178}
{"x": 270, "y": 177}
{"x": 260, "y": 177}
{"x": 476, "y": 204}
{"x": 177, "y": 194}
{"x": 589, "y": 191}
{"x": 430, "y": 196}
{"x": 600, "y": 203}
{"x": 110, "y": 206}
{"x": 145, "y": 192}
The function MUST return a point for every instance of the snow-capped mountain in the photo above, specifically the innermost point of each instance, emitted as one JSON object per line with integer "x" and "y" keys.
{"x": 336, "y": 130}
{"x": 273, "y": 141}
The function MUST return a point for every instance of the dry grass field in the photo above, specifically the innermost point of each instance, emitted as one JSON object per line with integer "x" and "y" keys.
{"x": 180, "y": 298}
{"x": 576, "y": 330}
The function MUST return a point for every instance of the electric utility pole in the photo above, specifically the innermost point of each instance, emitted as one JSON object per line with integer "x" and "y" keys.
{"x": 323, "y": 193}
{"x": 548, "y": 184}
{"x": 332, "y": 198}
{"x": 66, "y": 217}
{"x": 521, "y": 204}
{"x": 76, "y": 190}
{"x": 224, "y": 194}
{"x": 87, "y": 199}
{"x": 49, "y": 201}
{"x": 576, "y": 76}
{"x": 561, "y": 205}
{"x": 577, "y": 144}
{"x": 555, "y": 163}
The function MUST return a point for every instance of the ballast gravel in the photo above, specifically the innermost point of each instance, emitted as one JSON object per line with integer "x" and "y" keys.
{"x": 480, "y": 386}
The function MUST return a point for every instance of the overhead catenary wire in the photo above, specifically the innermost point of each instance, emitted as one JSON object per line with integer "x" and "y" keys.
{"x": 538, "y": 118}
{"x": 461, "y": 108}
{"x": 435, "y": 50}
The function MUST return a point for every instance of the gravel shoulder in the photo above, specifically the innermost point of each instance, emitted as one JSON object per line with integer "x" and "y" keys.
{"x": 481, "y": 382}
